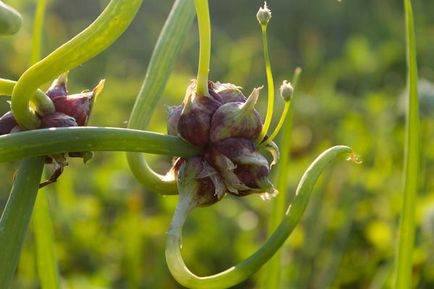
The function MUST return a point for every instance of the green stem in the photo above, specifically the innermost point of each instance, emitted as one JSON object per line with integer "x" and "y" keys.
{"x": 270, "y": 84}
{"x": 16, "y": 217}
{"x": 10, "y": 20}
{"x": 50, "y": 141}
{"x": 46, "y": 262}
{"x": 174, "y": 32}
{"x": 285, "y": 111}
{"x": 272, "y": 271}
{"x": 204, "y": 23}
{"x": 37, "y": 30}
{"x": 90, "y": 42}
{"x": 243, "y": 270}
{"x": 404, "y": 259}
{"x": 41, "y": 101}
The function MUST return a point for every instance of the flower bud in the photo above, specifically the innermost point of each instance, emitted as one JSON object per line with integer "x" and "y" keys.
{"x": 195, "y": 119}
{"x": 7, "y": 123}
{"x": 286, "y": 90}
{"x": 57, "y": 119}
{"x": 236, "y": 119}
{"x": 264, "y": 14}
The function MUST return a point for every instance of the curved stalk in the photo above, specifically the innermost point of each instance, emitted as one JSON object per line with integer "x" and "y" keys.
{"x": 204, "y": 23}
{"x": 270, "y": 86}
{"x": 406, "y": 237}
{"x": 243, "y": 270}
{"x": 90, "y": 42}
{"x": 16, "y": 216}
{"x": 10, "y": 20}
{"x": 39, "y": 99}
{"x": 174, "y": 32}
{"x": 50, "y": 141}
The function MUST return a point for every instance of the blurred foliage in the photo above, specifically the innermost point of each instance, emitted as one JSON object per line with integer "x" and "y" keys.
{"x": 110, "y": 231}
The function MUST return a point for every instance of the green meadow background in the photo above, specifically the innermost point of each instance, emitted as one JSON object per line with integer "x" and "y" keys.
{"x": 110, "y": 231}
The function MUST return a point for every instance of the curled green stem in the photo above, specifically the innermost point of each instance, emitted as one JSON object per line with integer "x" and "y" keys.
{"x": 203, "y": 19}
{"x": 174, "y": 32}
{"x": 39, "y": 99}
{"x": 90, "y": 42}
{"x": 16, "y": 216}
{"x": 50, "y": 141}
{"x": 243, "y": 270}
{"x": 270, "y": 86}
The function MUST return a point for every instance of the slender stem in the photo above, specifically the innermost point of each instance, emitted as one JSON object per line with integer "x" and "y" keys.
{"x": 202, "y": 12}
{"x": 41, "y": 101}
{"x": 37, "y": 30}
{"x": 46, "y": 261}
{"x": 270, "y": 84}
{"x": 272, "y": 272}
{"x": 10, "y": 20}
{"x": 243, "y": 270}
{"x": 174, "y": 32}
{"x": 16, "y": 217}
{"x": 90, "y": 42}
{"x": 404, "y": 260}
{"x": 285, "y": 111}
{"x": 50, "y": 141}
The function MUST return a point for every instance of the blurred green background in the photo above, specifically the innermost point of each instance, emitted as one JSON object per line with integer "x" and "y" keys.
{"x": 110, "y": 232}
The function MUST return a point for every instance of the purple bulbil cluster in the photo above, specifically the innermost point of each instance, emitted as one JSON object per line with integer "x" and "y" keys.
{"x": 226, "y": 126}
{"x": 70, "y": 110}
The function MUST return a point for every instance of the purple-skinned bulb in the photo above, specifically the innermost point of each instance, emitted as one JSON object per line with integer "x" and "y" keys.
{"x": 7, "y": 123}
{"x": 195, "y": 119}
{"x": 57, "y": 119}
{"x": 237, "y": 119}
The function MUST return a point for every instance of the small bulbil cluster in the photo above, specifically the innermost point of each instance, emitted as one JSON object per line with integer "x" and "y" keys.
{"x": 226, "y": 126}
{"x": 70, "y": 111}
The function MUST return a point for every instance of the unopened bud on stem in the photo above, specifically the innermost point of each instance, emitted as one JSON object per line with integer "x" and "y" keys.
{"x": 264, "y": 14}
{"x": 286, "y": 90}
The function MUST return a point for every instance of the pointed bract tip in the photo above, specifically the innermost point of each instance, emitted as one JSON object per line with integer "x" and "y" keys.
{"x": 98, "y": 88}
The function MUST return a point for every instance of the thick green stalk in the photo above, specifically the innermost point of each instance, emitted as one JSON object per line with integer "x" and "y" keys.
{"x": 404, "y": 259}
{"x": 90, "y": 42}
{"x": 16, "y": 217}
{"x": 50, "y": 141}
{"x": 46, "y": 262}
{"x": 204, "y": 23}
{"x": 175, "y": 30}
{"x": 270, "y": 85}
{"x": 41, "y": 101}
{"x": 243, "y": 270}
{"x": 10, "y": 20}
